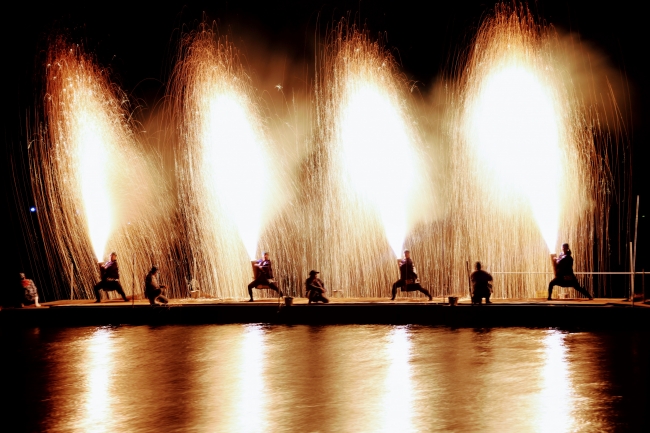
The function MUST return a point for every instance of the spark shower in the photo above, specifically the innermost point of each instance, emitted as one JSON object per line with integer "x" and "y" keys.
{"x": 522, "y": 170}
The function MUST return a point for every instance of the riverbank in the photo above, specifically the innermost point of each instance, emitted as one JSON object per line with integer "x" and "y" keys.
{"x": 565, "y": 313}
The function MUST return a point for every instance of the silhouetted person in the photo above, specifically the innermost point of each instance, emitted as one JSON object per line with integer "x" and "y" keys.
{"x": 29, "y": 291}
{"x": 110, "y": 279}
{"x": 153, "y": 289}
{"x": 564, "y": 276}
{"x": 481, "y": 285}
{"x": 315, "y": 288}
{"x": 263, "y": 276}
{"x": 408, "y": 278}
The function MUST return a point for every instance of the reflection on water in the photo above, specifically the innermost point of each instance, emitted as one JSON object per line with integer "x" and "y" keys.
{"x": 98, "y": 373}
{"x": 398, "y": 391}
{"x": 253, "y": 378}
{"x": 556, "y": 397}
{"x": 251, "y": 402}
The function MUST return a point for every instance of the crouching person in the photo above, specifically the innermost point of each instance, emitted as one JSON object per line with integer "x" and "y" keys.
{"x": 29, "y": 291}
{"x": 153, "y": 289}
{"x": 481, "y": 285}
{"x": 315, "y": 289}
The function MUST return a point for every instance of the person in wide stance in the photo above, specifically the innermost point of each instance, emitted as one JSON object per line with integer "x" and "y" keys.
{"x": 408, "y": 278}
{"x": 110, "y": 279}
{"x": 564, "y": 276}
{"x": 263, "y": 276}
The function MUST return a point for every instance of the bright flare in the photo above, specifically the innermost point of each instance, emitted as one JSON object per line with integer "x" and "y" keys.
{"x": 90, "y": 137}
{"x": 514, "y": 126}
{"x": 377, "y": 156}
{"x": 232, "y": 147}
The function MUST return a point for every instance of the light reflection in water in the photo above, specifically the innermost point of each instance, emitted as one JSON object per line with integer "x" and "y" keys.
{"x": 251, "y": 405}
{"x": 397, "y": 410}
{"x": 556, "y": 398}
{"x": 97, "y": 383}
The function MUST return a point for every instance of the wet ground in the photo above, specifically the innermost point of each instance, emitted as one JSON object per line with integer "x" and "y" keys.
{"x": 239, "y": 378}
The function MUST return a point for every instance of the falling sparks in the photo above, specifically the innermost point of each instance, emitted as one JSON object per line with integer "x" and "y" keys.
{"x": 227, "y": 177}
{"x": 520, "y": 170}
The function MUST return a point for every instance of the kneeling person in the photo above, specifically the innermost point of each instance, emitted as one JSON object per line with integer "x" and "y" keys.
{"x": 152, "y": 289}
{"x": 481, "y": 284}
{"x": 110, "y": 279}
{"x": 315, "y": 288}
{"x": 408, "y": 278}
{"x": 29, "y": 291}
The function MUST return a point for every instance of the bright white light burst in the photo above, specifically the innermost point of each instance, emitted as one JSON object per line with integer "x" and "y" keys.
{"x": 514, "y": 125}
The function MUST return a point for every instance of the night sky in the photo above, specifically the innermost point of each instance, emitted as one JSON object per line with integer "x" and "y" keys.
{"x": 139, "y": 45}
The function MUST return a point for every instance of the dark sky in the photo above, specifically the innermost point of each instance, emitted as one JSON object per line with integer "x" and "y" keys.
{"x": 138, "y": 43}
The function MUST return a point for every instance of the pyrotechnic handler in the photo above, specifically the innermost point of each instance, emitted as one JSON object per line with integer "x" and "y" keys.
{"x": 153, "y": 289}
{"x": 408, "y": 277}
{"x": 315, "y": 288}
{"x": 264, "y": 276}
{"x": 481, "y": 285}
{"x": 30, "y": 293}
{"x": 110, "y": 279}
{"x": 564, "y": 276}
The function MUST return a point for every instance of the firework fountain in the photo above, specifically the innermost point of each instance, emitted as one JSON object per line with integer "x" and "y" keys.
{"x": 368, "y": 147}
{"x": 522, "y": 171}
{"x": 94, "y": 188}
{"x": 526, "y": 172}
{"x": 226, "y": 174}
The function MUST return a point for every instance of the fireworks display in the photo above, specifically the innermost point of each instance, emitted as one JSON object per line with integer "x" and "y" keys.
{"x": 527, "y": 175}
{"x": 226, "y": 171}
{"x": 522, "y": 170}
{"x": 96, "y": 189}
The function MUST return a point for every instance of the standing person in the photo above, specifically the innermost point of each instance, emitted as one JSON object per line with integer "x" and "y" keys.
{"x": 110, "y": 279}
{"x": 29, "y": 291}
{"x": 315, "y": 288}
{"x": 408, "y": 277}
{"x": 481, "y": 285}
{"x": 263, "y": 276}
{"x": 564, "y": 276}
{"x": 153, "y": 289}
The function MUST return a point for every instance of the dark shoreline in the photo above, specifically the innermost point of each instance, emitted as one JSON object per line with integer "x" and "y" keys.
{"x": 547, "y": 315}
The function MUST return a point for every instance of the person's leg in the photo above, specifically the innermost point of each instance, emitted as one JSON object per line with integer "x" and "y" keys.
{"x": 582, "y": 290}
{"x": 324, "y": 298}
{"x": 162, "y": 299}
{"x": 423, "y": 290}
{"x": 96, "y": 289}
{"x": 251, "y": 286}
{"x": 120, "y": 290}
{"x": 36, "y": 304}
{"x": 275, "y": 287}
{"x": 550, "y": 288}
{"x": 487, "y": 297}
{"x": 396, "y": 285}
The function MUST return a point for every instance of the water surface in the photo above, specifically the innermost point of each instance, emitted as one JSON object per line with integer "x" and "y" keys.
{"x": 253, "y": 378}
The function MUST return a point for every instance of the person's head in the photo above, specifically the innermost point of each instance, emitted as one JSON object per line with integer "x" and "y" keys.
{"x": 477, "y": 265}
{"x": 565, "y": 248}
{"x": 113, "y": 256}
{"x": 154, "y": 269}
{"x": 266, "y": 255}
{"x": 407, "y": 254}
{"x": 22, "y": 276}
{"x": 313, "y": 273}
